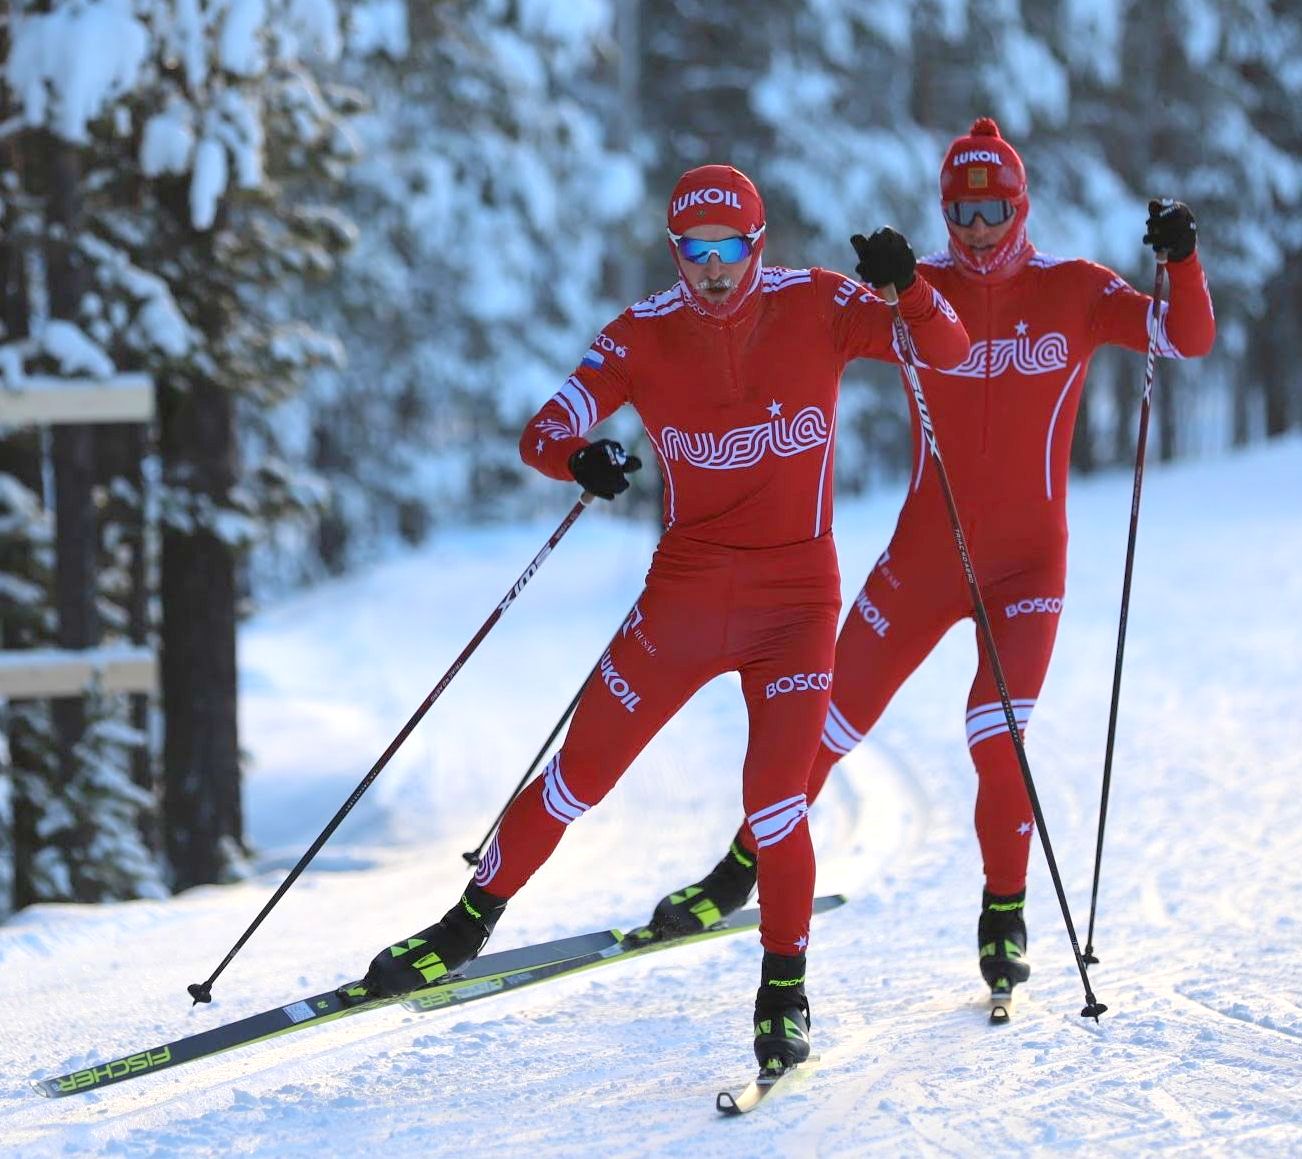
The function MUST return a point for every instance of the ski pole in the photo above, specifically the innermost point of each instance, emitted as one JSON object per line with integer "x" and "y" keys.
{"x": 472, "y": 858}
{"x": 1093, "y": 1008}
{"x": 202, "y": 991}
{"x": 1145, "y": 406}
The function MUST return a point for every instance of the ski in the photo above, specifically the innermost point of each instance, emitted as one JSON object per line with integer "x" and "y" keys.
{"x": 490, "y": 974}
{"x": 635, "y": 943}
{"x": 1001, "y": 1005}
{"x": 318, "y": 1009}
{"x": 760, "y": 1087}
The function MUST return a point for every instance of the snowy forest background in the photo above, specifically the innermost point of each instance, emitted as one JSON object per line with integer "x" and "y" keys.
{"x": 356, "y": 243}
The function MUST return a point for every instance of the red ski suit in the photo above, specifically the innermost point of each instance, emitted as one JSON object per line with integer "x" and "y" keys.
{"x": 741, "y": 413}
{"x": 1003, "y": 421}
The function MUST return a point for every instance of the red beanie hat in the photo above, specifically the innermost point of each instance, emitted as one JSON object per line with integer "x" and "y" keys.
{"x": 979, "y": 167}
{"x": 982, "y": 165}
{"x": 719, "y": 195}
{"x": 715, "y": 195}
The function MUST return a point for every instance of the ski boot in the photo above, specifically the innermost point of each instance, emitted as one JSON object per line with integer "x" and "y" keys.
{"x": 1001, "y": 937}
{"x": 439, "y": 949}
{"x": 781, "y": 1014}
{"x": 698, "y": 907}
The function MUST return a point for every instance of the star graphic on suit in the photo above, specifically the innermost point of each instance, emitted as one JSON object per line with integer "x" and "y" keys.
{"x": 1024, "y": 828}
{"x": 1021, "y": 329}
{"x": 801, "y": 942}
{"x": 538, "y": 449}
{"x": 775, "y": 408}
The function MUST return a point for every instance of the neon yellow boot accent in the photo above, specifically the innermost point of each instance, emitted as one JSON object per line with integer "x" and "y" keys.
{"x": 405, "y": 947}
{"x": 430, "y": 966}
{"x": 706, "y": 912}
{"x": 741, "y": 857}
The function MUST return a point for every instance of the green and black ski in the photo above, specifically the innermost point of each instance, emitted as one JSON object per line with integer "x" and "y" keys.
{"x": 485, "y": 976}
{"x": 635, "y": 942}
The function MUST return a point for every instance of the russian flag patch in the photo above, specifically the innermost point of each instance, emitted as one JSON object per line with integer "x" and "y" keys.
{"x": 594, "y": 358}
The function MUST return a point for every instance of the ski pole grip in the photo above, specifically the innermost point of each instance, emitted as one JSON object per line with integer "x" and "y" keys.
{"x": 888, "y": 292}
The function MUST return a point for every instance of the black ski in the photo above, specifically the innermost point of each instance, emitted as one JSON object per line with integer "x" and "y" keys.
{"x": 317, "y": 1009}
{"x": 636, "y": 942}
{"x": 487, "y": 975}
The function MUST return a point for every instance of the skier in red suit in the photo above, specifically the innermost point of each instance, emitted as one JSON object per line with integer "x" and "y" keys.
{"x": 734, "y": 372}
{"x": 1003, "y": 420}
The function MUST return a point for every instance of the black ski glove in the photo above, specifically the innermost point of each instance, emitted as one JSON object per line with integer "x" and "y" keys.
{"x": 886, "y": 258}
{"x": 1171, "y": 227}
{"x": 600, "y": 467}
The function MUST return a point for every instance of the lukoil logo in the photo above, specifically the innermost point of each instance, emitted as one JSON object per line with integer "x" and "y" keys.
{"x": 1046, "y": 604}
{"x": 871, "y": 613}
{"x": 800, "y": 682}
{"x": 711, "y": 196}
{"x": 970, "y": 155}
{"x": 619, "y": 687}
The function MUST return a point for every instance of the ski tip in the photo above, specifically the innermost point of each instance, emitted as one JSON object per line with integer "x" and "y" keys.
{"x": 38, "y": 1085}
{"x": 769, "y": 1078}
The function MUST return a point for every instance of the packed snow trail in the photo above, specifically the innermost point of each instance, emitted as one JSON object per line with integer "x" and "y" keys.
{"x": 1198, "y": 931}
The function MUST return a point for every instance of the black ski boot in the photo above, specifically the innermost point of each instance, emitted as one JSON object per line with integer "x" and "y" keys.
{"x": 439, "y": 949}
{"x": 697, "y": 907}
{"x": 1001, "y": 937}
{"x": 781, "y": 1014}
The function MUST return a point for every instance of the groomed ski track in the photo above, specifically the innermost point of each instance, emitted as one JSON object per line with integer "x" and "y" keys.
{"x": 1200, "y": 1052}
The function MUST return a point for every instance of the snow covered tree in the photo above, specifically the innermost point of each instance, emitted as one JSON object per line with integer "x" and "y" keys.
{"x": 491, "y": 203}
{"x": 202, "y": 135}
{"x": 75, "y": 814}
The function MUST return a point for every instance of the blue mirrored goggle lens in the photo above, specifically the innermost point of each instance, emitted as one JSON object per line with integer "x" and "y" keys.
{"x": 729, "y": 249}
{"x": 964, "y": 213}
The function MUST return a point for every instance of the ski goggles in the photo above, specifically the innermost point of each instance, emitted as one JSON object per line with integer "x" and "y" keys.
{"x": 992, "y": 212}
{"x": 697, "y": 250}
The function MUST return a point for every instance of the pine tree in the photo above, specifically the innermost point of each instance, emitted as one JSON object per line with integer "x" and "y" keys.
{"x": 200, "y": 157}
{"x": 492, "y": 205}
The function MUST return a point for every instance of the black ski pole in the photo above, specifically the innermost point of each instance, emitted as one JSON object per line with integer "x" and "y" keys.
{"x": 1145, "y": 406}
{"x": 202, "y": 991}
{"x": 472, "y": 858}
{"x": 1093, "y": 1007}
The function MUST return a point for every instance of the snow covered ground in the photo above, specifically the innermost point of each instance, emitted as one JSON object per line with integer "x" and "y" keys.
{"x": 1199, "y": 928}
